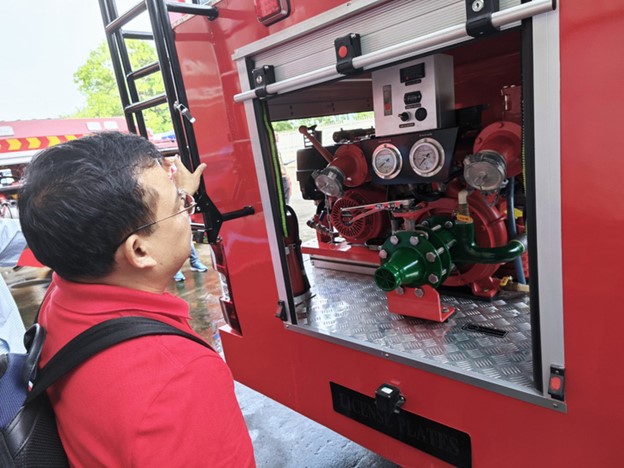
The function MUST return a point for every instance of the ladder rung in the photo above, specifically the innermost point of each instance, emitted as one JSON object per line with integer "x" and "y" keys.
{"x": 202, "y": 10}
{"x": 141, "y": 35}
{"x": 171, "y": 151}
{"x": 126, "y": 17}
{"x": 142, "y": 105}
{"x": 143, "y": 71}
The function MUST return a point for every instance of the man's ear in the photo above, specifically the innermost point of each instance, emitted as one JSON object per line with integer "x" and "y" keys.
{"x": 136, "y": 252}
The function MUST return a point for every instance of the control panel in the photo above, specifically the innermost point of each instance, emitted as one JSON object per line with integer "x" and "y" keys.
{"x": 414, "y": 96}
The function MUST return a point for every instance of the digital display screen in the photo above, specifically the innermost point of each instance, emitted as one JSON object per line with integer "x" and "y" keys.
{"x": 413, "y": 73}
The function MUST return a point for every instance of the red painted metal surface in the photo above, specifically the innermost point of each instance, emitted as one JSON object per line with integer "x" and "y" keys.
{"x": 352, "y": 163}
{"x": 296, "y": 369}
{"x": 505, "y": 138}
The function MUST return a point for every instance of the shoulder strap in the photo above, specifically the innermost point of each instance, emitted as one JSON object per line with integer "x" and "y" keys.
{"x": 96, "y": 339}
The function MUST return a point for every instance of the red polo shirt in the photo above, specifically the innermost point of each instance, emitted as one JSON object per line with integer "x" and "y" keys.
{"x": 151, "y": 401}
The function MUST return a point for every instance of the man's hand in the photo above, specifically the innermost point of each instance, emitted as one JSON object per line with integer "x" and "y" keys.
{"x": 185, "y": 179}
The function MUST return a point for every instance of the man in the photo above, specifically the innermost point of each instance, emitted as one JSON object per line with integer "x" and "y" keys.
{"x": 12, "y": 329}
{"x": 103, "y": 214}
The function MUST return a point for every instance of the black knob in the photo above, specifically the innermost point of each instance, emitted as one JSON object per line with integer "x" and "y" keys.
{"x": 421, "y": 114}
{"x": 404, "y": 116}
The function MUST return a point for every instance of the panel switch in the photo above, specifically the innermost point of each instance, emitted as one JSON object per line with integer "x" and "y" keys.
{"x": 556, "y": 383}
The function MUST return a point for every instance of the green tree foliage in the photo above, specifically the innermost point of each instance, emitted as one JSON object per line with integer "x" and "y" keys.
{"x": 96, "y": 81}
{"x": 290, "y": 125}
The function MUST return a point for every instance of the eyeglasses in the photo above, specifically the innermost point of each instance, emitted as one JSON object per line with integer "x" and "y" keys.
{"x": 189, "y": 204}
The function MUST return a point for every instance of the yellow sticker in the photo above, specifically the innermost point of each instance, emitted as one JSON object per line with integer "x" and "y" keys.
{"x": 504, "y": 281}
{"x": 464, "y": 218}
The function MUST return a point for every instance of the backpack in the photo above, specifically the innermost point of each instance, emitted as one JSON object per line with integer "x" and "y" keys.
{"x": 28, "y": 432}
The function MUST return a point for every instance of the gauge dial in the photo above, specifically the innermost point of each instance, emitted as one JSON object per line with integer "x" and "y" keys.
{"x": 387, "y": 161}
{"x": 426, "y": 157}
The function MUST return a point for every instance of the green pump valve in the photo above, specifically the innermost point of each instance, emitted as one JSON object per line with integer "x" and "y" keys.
{"x": 428, "y": 254}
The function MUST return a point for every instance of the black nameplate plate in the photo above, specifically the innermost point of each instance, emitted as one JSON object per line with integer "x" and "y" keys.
{"x": 436, "y": 439}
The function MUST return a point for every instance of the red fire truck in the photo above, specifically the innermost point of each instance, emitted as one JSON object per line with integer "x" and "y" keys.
{"x": 444, "y": 312}
{"x": 20, "y": 140}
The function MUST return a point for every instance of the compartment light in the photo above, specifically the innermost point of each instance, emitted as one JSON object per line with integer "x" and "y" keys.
{"x": 271, "y": 11}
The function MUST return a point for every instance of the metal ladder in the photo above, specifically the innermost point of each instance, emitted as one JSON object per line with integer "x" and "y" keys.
{"x": 175, "y": 94}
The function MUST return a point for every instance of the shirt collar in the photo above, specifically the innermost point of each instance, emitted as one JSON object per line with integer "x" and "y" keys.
{"x": 93, "y": 298}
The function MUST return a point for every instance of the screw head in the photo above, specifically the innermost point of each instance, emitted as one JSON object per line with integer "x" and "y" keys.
{"x": 414, "y": 240}
{"x": 400, "y": 291}
{"x": 419, "y": 292}
{"x": 394, "y": 240}
{"x": 431, "y": 257}
{"x": 383, "y": 254}
{"x": 259, "y": 79}
{"x": 448, "y": 225}
{"x": 477, "y": 5}
{"x": 433, "y": 278}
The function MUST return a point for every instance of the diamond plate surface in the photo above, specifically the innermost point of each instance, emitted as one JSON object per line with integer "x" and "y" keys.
{"x": 350, "y": 305}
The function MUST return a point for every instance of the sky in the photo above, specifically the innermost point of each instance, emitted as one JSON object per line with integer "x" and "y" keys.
{"x": 42, "y": 44}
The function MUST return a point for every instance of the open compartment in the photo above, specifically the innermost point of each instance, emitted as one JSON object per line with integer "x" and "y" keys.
{"x": 422, "y": 230}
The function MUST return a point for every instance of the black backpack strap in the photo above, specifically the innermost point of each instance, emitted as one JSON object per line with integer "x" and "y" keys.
{"x": 96, "y": 339}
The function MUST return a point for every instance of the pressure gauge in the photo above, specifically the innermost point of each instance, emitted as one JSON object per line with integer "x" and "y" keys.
{"x": 486, "y": 170}
{"x": 426, "y": 157}
{"x": 387, "y": 161}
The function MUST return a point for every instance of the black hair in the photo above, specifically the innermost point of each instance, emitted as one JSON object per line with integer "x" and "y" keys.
{"x": 81, "y": 198}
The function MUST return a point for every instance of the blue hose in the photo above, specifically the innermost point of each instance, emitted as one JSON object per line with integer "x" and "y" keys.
{"x": 511, "y": 227}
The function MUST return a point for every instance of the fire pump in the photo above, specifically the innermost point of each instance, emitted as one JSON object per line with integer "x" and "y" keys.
{"x": 452, "y": 242}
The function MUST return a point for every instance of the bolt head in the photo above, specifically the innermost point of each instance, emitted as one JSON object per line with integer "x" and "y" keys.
{"x": 433, "y": 278}
{"x": 394, "y": 240}
{"x": 431, "y": 257}
{"x": 414, "y": 240}
{"x": 448, "y": 225}
{"x": 419, "y": 292}
{"x": 400, "y": 291}
{"x": 477, "y": 5}
{"x": 383, "y": 254}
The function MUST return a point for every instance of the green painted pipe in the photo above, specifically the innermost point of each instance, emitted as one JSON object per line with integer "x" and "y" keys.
{"x": 467, "y": 251}
{"x": 405, "y": 266}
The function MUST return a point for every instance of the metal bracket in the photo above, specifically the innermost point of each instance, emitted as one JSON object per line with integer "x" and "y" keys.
{"x": 347, "y": 47}
{"x": 261, "y": 78}
{"x": 186, "y": 113}
{"x": 280, "y": 313}
{"x": 479, "y": 17}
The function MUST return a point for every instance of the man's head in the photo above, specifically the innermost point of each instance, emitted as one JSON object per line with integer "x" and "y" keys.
{"x": 84, "y": 198}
